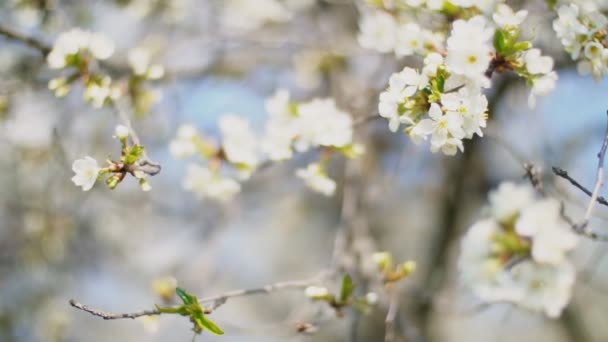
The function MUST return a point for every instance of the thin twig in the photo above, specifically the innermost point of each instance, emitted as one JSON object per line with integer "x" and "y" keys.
{"x": 564, "y": 174}
{"x": 599, "y": 179}
{"x": 27, "y": 40}
{"x": 146, "y": 165}
{"x": 391, "y": 315}
{"x": 216, "y": 301}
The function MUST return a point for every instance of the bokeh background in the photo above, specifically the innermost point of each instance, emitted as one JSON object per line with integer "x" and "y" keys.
{"x": 107, "y": 248}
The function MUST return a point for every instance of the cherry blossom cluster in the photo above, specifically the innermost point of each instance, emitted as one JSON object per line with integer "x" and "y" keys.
{"x": 433, "y": 103}
{"x": 445, "y": 100}
{"x": 88, "y": 172}
{"x": 519, "y": 253}
{"x": 291, "y": 127}
{"x": 78, "y": 52}
{"x": 582, "y": 31}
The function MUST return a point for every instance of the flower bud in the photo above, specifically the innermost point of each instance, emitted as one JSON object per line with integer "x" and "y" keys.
{"x": 121, "y": 132}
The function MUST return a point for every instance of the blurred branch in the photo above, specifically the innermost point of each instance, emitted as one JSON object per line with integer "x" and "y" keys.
{"x": 216, "y": 301}
{"x": 389, "y": 322}
{"x": 27, "y": 40}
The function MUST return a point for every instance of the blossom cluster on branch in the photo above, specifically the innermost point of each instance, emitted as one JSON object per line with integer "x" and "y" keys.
{"x": 291, "y": 127}
{"x": 519, "y": 253}
{"x": 445, "y": 99}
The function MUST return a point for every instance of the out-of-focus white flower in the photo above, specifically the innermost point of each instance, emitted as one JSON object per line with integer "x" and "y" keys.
{"x": 141, "y": 63}
{"x": 537, "y": 64}
{"x": 567, "y": 26}
{"x": 542, "y": 86}
{"x": 378, "y": 31}
{"x": 546, "y": 288}
{"x": 86, "y": 170}
{"x": 238, "y": 141}
{"x": 315, "y": 178}
{"x": 99, "y": 92}
{"x": 509, "y": 199}
{"x": 479, "y": 269}
{"x": 76, "y": 41}
{"x": 409, "y": 40}
{"x": 121, "y": 131}
{"x": 519, "y": 253}
{"x": 371, "y": 298}
{"x": 322, "y": 123}
{"x": 206, "y": 183}
{"x": 552, "y": 238}
{"x": 183, "y": 145}
{"x": 505, "y": 16}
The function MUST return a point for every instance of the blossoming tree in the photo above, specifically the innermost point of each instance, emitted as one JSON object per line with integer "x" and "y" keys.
{"x": 341, "y": 84}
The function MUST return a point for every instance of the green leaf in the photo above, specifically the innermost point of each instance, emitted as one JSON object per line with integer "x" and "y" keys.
{"x": 521, "y": 46}
{"x": 185, "y": 296}
{"x": 500, "y": 42}
{"x": 551, "y": 3}
{"x": 134, "y": 154}
{"x": 347, "y": 288}
{"x": 205, "y": 323}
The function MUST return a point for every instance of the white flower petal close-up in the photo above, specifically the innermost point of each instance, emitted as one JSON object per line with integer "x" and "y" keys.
{"x": 86, "y": 171}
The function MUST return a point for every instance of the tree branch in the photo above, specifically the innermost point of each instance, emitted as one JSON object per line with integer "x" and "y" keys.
{"x": 564, "y": 174}
{"x": 27, "y": 40}
{"x": 216, "y": 301}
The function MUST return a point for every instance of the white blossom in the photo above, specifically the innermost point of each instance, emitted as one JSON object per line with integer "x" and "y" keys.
{"x": 402, "y": 85}
{"x": 315, "y": 178}
{"x": 86, "y": 170}
{"x": 75, "y": 41}
{"x": 471, "y": 106}
{"x": 479, "y": 269}
{"x": 140, "y": 61}
{"x": 509, "y": 199}
{"x": 281, "y": 127}
{"x": 505, "y": 16}
{"x": 468, "y": 48}
{"x": 552, "y": 238}
{"x": 411, "y": 40}
{"x": 321, "y": 123}
{"x": 378, "y": 31}
{"x": 542, "y": 86}
{"x": 238, "y": 141}
{"x": 537, "y": 64}
{"x": 183, "y": 145}
{"x": 121, "y": 131}
{"x": 210, "y": 184}
{"x": 545, "y": 288}
{"x": 446, "y": 130}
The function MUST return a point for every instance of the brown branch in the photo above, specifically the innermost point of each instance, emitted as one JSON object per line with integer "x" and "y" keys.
{"x": 27, "y": 40}
{"x": 108, "y": 315}
{"x": 564, "y": 174}
{"x": 216, "y": 301}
